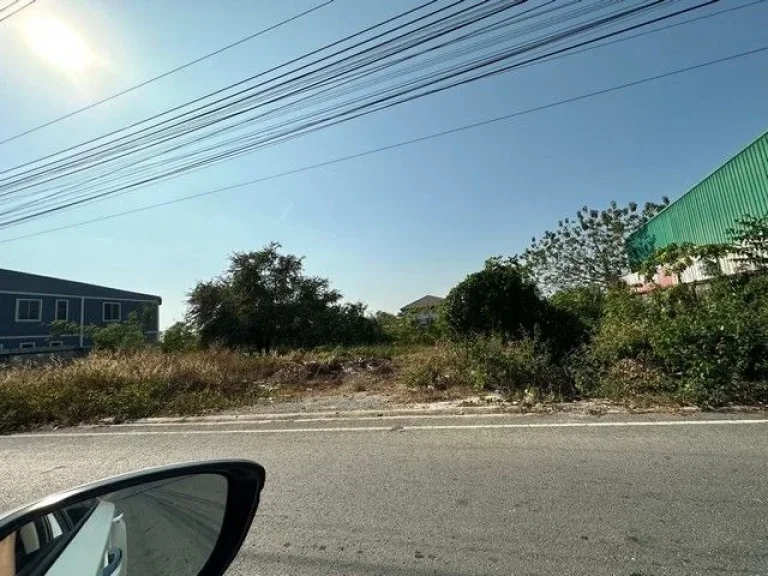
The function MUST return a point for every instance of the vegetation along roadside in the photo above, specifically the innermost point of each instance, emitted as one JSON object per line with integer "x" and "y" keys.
{"x": 553, "y": 323}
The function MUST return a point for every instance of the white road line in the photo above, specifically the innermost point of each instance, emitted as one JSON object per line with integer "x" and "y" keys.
{"x": 639, "y": 424}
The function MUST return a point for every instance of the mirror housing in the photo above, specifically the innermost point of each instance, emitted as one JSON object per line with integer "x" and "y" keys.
{"x": 244, "y": 482}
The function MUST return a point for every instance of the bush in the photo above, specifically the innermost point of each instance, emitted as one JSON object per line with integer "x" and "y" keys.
{"x": 517, "y": 366}
{"x": 585, "y": 304}
{"x": 179, "y": 338}
{"x": 708, "y": 348}
{"x": 405, "y": 330}
{"x": 525, "y": 365}
{"x": 499, "y": 300}
{"x": 440, "y": 367}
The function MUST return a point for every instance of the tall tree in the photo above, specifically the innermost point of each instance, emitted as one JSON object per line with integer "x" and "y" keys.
{"x": 589, "y": 250}
{"x": 264, "y": 300}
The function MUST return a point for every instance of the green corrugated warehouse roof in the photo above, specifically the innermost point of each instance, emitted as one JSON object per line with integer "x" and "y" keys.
{"x": 704, "y": 214}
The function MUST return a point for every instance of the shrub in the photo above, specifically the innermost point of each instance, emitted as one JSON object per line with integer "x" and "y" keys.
{"x": 439, "y": 367}
{"x": 585, "y": 304}
{"x": 516, "y": 366}
{"x": 709, "y": 348}
{"x": 179, "y": 338}
{"x": 499, "y": 300}
{"x": 125, "y": 336}
{"x": 491, "y": 364}
{"x": 405, "y": 330}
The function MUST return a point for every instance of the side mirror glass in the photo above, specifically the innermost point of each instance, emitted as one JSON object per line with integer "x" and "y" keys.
{"x": 151, "y": 525}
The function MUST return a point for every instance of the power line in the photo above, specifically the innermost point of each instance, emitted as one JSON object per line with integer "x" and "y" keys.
{"x": 12, "y": 14}
{"x": 401, "y": 144}
{"x": 225, "y": 88}
{"x": 4, "y": 8}
{"x": 639, "y": 35}
{"x": 659, "y": 29}
{"x": 351, "y": 109}
{"x": 167, "y": 73}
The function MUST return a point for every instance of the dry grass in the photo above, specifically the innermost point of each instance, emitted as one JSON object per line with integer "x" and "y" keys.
{"x": 150, "y": 383}
{"x": 126, "y": 386}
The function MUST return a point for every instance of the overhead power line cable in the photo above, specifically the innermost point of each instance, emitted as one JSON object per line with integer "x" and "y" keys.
{"x": 7, "y": 6}
{"x": 156, "y": 164}
{"x": 182, "y": 120}
{"x": 225, "y": 88}
{"x": 12, "y": 14}
{"x": 168, "y": 72}
{"x": 467, "y": 127}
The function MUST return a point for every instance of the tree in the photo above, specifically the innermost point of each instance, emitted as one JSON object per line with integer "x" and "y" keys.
{"x": 589, "y": 250}
{"x": 585, "y": 304}
{"x": 677, "y": 258}
{"x": 179, "y": 338}
{"x": 265, "y": 301}
{"x": 500, "y": 299}
{"x": 128, "y": 335}
{"x": 405, "y": 329}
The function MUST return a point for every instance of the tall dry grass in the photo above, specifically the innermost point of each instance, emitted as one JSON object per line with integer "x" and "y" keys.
{"x": 142, "y": 384}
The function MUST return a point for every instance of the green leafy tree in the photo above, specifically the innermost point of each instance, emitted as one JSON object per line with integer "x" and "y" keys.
{"x": 179, "y": 338}
{"x": 500, "y": 299}
{"x": 265, "y": 301}
{"x": 677, "y": 258}
{"x": 405, "y": 329}
{"x": 584, "y": 303}
{"x": 589, "y": 250}
{"x": 123, "y": 336}
{"x": 59, "y": 328}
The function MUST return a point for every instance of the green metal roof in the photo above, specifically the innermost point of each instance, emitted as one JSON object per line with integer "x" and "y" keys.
{"x": 704, "y": 214}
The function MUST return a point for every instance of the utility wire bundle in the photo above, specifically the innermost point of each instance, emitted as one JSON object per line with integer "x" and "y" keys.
{"x": 433, "y": 47}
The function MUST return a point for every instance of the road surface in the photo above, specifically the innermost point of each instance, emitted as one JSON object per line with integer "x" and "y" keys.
{"x": 459, "y": 495}
{"x": 172, "y": 525}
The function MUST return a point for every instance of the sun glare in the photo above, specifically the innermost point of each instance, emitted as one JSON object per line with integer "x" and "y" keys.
{"x": 58, "y": 43}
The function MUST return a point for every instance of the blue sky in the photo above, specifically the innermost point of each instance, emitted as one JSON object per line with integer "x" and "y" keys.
{"x": 394, "y": 226}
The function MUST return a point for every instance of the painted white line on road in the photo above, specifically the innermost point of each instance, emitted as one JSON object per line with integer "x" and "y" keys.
{"x": 639, "y": 424}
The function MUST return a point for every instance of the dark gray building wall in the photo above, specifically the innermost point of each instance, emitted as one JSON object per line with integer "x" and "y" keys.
{"x": 85, "y": 303}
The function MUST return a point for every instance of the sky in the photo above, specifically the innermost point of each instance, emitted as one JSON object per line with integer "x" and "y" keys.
{"x": 391, "y": 227}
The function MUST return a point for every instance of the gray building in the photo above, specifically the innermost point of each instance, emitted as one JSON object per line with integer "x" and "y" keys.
{"x": 30, "y": 303}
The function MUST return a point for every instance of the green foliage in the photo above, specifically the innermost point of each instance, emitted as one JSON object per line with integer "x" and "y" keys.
{"x": 518, "y": 366}
{"x": 499, "y": 300}
{"x": 128, "y": 335}
{"x": 264, "y": 301}
{"x": 677, "y": 258}
{"x": 750, "y": 237}
{"x": 179, "y": 338}
{"x": 708, "y": 348}
{"x": 59, "y": 328}
{"x": 585, "y": 303}
{"x": 589, "y": 250}
{"x": 572, "y": 317}
{"x": 441, "y": 367}
{"x": 492, "y": 364}
{"x": 405, "y": 329}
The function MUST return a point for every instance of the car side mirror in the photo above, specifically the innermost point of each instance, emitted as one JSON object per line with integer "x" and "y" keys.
{"x": 181, "y": 520}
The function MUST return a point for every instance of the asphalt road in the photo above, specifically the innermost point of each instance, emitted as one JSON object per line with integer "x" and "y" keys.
{"x": 463, "y": 495}
{"x": 172, "y": 526}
